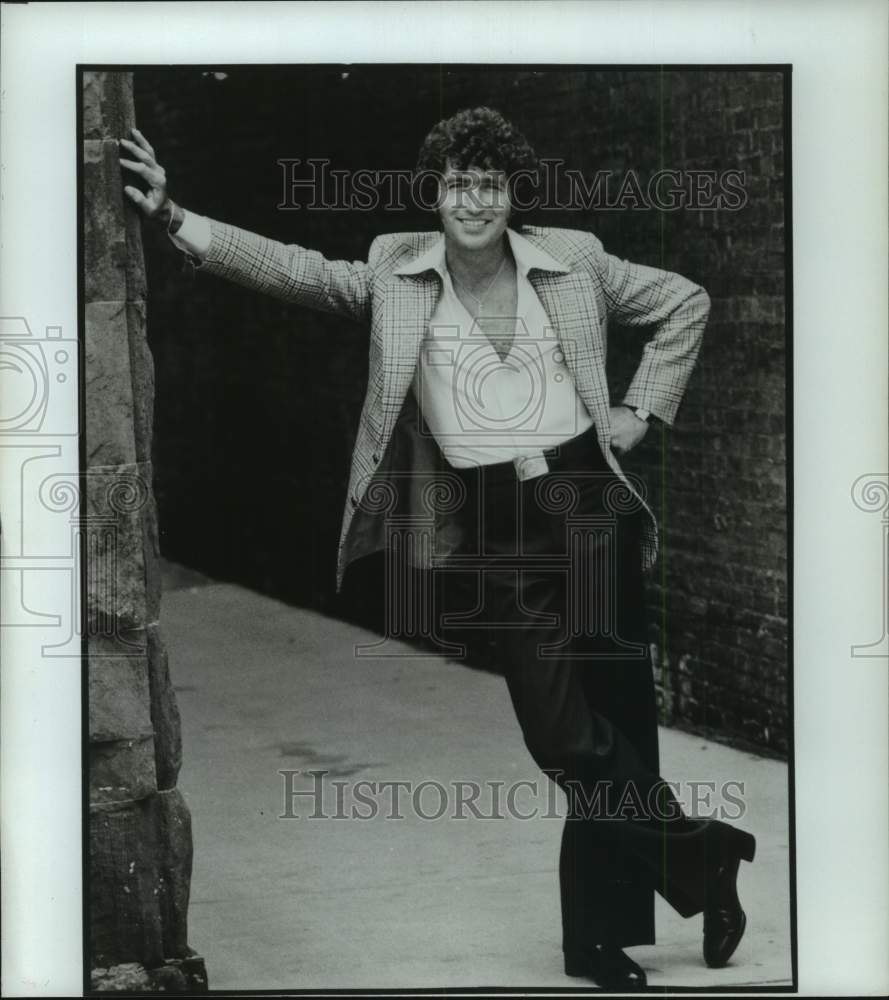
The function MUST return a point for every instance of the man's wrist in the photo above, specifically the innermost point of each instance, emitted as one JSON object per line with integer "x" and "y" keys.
{"x": 640, "y": 412}
{"x": 170, "y": 216}
{"x": 177, "y": 217}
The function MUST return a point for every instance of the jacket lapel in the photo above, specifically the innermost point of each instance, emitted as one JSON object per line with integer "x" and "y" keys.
{"x": 570, "y": 304}
{"x": 405, "y": 319}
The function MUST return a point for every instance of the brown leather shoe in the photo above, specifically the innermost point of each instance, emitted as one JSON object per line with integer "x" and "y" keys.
{"x": 724, "y": 919}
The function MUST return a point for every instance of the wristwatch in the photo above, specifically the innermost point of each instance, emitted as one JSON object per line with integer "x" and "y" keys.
{"x": 640, "y": 413}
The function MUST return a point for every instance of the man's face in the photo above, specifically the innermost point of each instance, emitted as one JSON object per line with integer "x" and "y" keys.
{"x": 474, "y": 207}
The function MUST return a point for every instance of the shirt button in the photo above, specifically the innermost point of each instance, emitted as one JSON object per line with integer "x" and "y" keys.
{"x": 376, "y": 458}
{"x": 354, "y": 501}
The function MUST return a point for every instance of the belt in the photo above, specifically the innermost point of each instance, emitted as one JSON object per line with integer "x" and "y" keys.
{"x": 581, "y": 452}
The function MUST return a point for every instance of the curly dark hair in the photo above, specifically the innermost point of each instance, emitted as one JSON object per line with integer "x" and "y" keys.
{"x": 476, "y": 137}
{"x": 482, "y": 138}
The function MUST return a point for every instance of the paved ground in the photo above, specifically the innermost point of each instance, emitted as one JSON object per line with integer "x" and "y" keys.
{"x": 325, "y": 903}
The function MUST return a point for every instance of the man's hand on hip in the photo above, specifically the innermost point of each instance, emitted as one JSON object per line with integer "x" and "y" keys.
{"x": 627, "y": 430}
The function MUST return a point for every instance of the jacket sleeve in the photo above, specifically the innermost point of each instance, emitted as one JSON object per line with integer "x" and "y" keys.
{"x": 637, "y": 295}
{"x": 287, "y": 271}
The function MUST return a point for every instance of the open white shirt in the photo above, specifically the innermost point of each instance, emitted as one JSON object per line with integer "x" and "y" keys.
{"x": 481, "y": 409}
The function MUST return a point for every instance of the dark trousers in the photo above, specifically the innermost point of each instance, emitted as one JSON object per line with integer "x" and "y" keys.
{"x": 551, "y": 567}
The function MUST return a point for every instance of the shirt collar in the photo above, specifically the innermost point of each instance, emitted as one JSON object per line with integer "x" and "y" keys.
{"x": 527, "y": 256}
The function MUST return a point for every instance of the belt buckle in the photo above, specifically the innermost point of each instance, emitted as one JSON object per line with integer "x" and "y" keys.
{"x": 530, "y": 466}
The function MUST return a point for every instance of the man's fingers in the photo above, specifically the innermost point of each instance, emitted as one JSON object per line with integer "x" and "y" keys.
{"x": 137, "y": 168}
{"x": 142, "y": 141}
{"x": 136, "y": 196}
{"x": 622, "y": 443}
{"x": 137, "y": 151}
{"x": 153, "y": 174}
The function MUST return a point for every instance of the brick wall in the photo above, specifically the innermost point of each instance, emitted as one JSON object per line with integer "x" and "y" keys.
{"x": 240, "y": 499}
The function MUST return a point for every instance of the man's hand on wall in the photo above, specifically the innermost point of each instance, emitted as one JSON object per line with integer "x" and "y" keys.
{"x": 627, "y": 430}
{"x": 155, "y": 203}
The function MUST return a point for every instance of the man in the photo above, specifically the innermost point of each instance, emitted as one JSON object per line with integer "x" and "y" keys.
{"x": 487, "y": 388}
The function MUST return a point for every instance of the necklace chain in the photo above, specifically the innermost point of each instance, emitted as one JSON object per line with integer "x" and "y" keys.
{"x": 480, "y": 299}
{"x": 501, "y": 343}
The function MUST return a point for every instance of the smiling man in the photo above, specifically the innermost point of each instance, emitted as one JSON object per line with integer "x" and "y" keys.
{"x": 487, "y": 386}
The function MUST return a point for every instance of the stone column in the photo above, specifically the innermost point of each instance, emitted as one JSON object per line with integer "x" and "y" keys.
{"x": 140, "y": 827}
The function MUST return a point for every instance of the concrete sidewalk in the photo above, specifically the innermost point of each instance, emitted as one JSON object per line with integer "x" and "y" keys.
{"x": 376, "y": 903}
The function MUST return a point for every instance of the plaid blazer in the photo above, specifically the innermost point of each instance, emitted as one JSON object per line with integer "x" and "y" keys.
{"x": 399, "y": 478}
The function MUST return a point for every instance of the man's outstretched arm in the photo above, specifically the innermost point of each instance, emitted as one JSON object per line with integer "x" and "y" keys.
{"x": 285, "y": 271}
